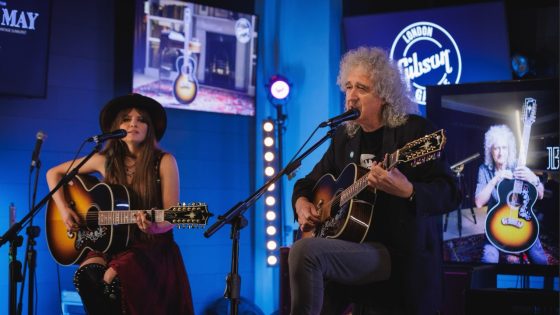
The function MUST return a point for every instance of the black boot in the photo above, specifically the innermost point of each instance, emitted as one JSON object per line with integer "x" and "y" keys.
{"x": 89, "y": 283}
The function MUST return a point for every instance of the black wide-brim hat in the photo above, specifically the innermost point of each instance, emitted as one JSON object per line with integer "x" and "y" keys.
{"x": 151, "y": 106}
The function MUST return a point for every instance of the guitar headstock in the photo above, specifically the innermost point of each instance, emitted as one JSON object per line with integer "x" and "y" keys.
{"x": 420, "y": 150}
{"x": 529, "y": 111}
{"x": 194, "y": 214}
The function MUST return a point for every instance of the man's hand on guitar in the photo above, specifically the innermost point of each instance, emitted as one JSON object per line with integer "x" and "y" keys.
{"x": 392, "y": 182}
{"x": 503, "y": 174}
{"x": 307, "y": 215}
{"x": 524, "y": 173}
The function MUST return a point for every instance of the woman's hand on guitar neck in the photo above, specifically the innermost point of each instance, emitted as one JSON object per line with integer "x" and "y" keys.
{"x": 307, "y": 215}
{"x": 150, "y": 227}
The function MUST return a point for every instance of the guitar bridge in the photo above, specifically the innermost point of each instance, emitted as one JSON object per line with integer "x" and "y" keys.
{"x": 513, "y": 222}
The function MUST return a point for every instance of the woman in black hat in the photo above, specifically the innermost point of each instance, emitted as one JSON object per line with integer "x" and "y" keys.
{"x": 148, "y": 277}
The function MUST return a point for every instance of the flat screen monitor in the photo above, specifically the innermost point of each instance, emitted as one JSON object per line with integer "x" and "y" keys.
{"x": 494, "y": 128}
{"x": 196, "y": 57}
{"x": 24, "y": 47}
{"x": 445, "y": 45}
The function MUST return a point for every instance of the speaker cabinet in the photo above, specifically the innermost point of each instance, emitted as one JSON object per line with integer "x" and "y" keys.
{"x": 511, "y": 302}
{"x": 459, "y": 279}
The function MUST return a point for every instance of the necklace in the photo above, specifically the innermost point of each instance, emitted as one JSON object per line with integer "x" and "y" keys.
{"x": 130, "y": 170}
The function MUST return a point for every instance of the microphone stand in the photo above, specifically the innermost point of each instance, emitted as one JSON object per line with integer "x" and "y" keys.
{"x": 11, "y": 235}
{"x": 31, "y": 257}
{"x": 457, "y": 168}
{"x": 234, "y": 216}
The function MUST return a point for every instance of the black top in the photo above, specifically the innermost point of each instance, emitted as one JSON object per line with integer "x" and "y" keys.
{"x": 412, "y": 231}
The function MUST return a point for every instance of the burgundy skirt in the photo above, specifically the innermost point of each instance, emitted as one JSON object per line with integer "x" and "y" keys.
{"x": 153, "y": 277}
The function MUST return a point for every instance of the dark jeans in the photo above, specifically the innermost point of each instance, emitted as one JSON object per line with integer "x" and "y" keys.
{"x": 316, "y": 261}
{"x": 536, "y": 254}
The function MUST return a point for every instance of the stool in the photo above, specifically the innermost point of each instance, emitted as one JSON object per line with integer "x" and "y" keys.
{"x": 71, "y": 303}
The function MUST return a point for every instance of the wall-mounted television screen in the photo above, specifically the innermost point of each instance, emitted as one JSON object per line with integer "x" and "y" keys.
{"x": 196, "y": 57}
{"x": 24, "y": 47}
{"x": 503, "y": 147}
{"x": 445, "y": 45}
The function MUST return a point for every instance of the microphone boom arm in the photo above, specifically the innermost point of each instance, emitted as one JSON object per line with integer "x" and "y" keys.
{"x": 459, "y": 165}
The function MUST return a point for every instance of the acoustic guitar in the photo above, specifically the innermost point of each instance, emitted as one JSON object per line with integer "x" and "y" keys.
{"x": 343, "y": 212}
{"x": 105, "y": 213}
{"x": 185, "y": 86}
{"x": 511, "y": 225}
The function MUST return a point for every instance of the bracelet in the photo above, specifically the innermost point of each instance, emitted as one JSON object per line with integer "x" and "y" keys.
{"x": 411, "y": 198}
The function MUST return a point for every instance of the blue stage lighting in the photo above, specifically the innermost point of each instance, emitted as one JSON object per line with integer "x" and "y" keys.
{"x": 278, "y": 89}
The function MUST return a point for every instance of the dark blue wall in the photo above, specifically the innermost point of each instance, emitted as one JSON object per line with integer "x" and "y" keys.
{"x": 215, "y": 154}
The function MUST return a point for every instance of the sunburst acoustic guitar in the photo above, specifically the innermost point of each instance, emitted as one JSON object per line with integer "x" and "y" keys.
{"x": 185, "y": 86}
{"x": 343, "y": 214}
{"x": 106, "y": 216}
{"x": 511, "y": 225}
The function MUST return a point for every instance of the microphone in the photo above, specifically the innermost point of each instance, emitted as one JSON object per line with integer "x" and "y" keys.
{"x": 37, "y": 149}
{"x": 458, "y": 167}
{"x": 348, "y": 115}
{"x": 115, "y": 134}
{"x": 12, "y": 214}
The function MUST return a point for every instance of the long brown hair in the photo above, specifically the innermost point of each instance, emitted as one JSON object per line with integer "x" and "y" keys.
{"x": 145, "y": 184}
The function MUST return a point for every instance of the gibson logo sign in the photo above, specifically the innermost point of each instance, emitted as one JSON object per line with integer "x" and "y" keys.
{"x": 16, "y": 21}
{"x": 426, "y": 54}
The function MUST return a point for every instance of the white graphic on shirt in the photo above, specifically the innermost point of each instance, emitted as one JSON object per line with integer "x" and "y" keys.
{"x": 366, "y": 160}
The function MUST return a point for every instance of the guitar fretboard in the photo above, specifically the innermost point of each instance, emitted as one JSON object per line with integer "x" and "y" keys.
{"x": 359, "y": 185}
{"x": 353, "y": 189}
{"x": 127, "y": 216}
{"x": 529, "y": 112}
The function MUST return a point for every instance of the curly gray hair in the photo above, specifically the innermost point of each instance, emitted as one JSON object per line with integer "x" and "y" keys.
{"x": 491, "y": 137}
{"x": 388, "y": 84}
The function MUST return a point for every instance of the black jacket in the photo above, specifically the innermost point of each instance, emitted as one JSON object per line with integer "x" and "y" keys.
{"x": 412, "y": 231}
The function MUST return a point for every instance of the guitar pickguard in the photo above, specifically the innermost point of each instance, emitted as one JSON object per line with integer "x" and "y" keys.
{"x": 85, "y": 237}
{"x": 334, "y": 224}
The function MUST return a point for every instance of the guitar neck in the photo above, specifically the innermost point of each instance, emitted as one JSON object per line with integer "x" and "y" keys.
{"x": 353, "y": 190}
{"x": 127, "y": 217}
{"x": 524, "y": 145}
{"x": 416, "y": 152}
{"x": 187, "y": 18}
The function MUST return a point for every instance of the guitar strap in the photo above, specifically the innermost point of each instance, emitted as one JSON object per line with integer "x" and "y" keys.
{"x": 389, "y": 140}
{"x": 158, "y": 179}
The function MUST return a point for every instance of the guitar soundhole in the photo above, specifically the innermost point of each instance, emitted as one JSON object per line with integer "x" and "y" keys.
{"x": 514, "y": 200}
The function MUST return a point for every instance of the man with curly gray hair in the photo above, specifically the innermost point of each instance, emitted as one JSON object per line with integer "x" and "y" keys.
{"x": 500, "y": 163}
{"x": 397, "y": 267}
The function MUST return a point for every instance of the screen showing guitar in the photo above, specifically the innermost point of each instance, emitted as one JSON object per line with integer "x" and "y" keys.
{"x": 196, "y": 57}
{"x": 510, "y": 210}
